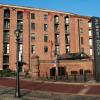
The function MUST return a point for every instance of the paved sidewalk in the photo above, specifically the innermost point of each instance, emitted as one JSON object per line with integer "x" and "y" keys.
{"x": 48, "y": 90}
{"x": 8, "y": 94}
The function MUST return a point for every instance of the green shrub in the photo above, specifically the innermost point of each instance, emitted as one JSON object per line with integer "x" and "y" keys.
{"x": 7, "y": 73}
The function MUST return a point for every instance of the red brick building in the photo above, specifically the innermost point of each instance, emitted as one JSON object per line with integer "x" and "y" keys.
{"x": 43, "y": 35}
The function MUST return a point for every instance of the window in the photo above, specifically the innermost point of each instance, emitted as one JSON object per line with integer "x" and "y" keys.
{"x": 45, "y": 49}
{"x": 90, "y": 42}
{"x": 81, "y": 30}
{"x": 67, "y": 39}
{"x": 91, "y": 52}
{"x": 67, "y": 29}
{"x": 56, "y": 19}
{"x": 33, "y": 26}
{"x": 56, "y": 28}
{"x": 7, "y": 24}
{"x": 57, "y": 39}
{"x": 82, "y": 42}
{"x": 57, "y": 50}
{"x": 32, "y": 16}
{"x": 6, "y": 36}
{"x": 90, "y": 32}
{"x": 66, "y": 20}
{"x": 7, "y": 13}
{"x": 67, "y": 49}
{"x": 90, "y": 24}
{"x": 19, "y": 15}
{"x": 45, "y": 38}
{"x": 6, "y": 48}
{"x": 20, "y": 25}
{"x": 80, "y": 21}
{"x": 45, "y": 27}
{"x": 45, "y": 17}
{"x": 33, "y": 36}
{"x": 33, "y": 49}
{"x": 6, "y": 59}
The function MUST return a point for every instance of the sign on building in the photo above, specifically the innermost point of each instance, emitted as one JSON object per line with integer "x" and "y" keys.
{"x": 96, "y": 45}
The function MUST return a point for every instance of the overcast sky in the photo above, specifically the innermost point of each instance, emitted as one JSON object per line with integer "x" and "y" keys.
{"x": 82, "y": 7}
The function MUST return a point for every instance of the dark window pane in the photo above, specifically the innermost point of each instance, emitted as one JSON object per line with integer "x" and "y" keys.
{"x": 81, "y": 31}
{"x": 20, "y": 25}
{"x": 6, "y": 59}
{"x": 32, "y": 16}
{"x": 33, "y": 26}
{"x": 45, "y": 27}
{"x": 7, "y": 24}
{"x": 45, "y": 49}
{"x": 6, "y": 36}
{"x": 45, "y": 38}
{"x": 45, "y": 17}
{"x": 82, "y": 40}
{"x": 7, "y": 13}
{"x": 19, "y": 15}
{"x": 33, "y": 36}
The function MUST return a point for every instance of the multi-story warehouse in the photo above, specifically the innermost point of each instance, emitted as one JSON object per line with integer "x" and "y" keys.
{"x": 44, "y": 34}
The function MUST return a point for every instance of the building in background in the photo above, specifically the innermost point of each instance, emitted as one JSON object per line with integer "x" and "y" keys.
{"x": 44, "y": 36}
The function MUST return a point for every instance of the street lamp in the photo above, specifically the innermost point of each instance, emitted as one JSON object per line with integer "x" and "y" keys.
{"x": 56, "y": 65}
{"x": 17, "y": 91}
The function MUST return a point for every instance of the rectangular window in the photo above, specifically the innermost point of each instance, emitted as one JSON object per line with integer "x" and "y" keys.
{"x": 91, "y": 52}
{"x": 20, "y": 24}
{"x": 45, "y": 38}
{"x": 81, "y": 30}
{"x": 90, "y": 42}
{"x": 67, "y": 29}
{"x": 6, "y": 48}
{"x": 56, "y": 28}
{"x": 45, "y": 17}
{"x": 7, "y": 24}
{"x": 45, "y": 49}
{"x": 90, "y": 32}
{"x": 33, "y": 36}
{"x": 7, "y": 13}
{"x": 32, "y": 16}
{"x": 56, "y": 19}
{"x": 6, "y": 36}
{"x": 66, "y": 20}
{"x": 57, "y": 39}
{"x": 45, "y": 27}
{"x": 33, "y": 26}
{"x": 33, "y": 49}
{"x": 6, "y": 59}
{"x": 57, "y": 49}
{"x": 67, "y": 49}
{"x": 90, "y": 24}
{"x": 19, "y": 15}
{"x": 82, "y": 42}
{"x": 80, "y": 21}
{"x": 67, "y": 39}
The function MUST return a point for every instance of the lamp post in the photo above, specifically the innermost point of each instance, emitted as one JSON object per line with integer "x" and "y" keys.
{"x": 17, "y": 91}
{"x": 56, "y": 65}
